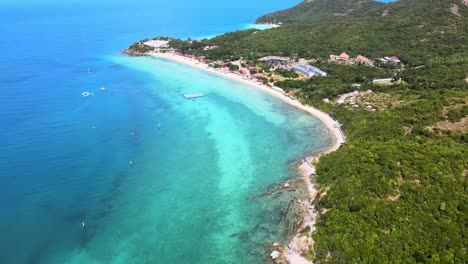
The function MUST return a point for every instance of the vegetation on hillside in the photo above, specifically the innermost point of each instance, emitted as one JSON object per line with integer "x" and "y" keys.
{"x": 395, "y": 192}
{"x": 418, "y": 32}
{"x": 320, "y": 10}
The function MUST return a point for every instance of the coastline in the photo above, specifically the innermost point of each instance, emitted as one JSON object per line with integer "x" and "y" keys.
{"x": 330, "y": 123}
{"x": 299, "y": 243}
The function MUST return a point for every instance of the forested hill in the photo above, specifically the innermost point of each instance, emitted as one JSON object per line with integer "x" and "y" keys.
{"x": 319, "y": 10}
{"x": 420, "y": 32}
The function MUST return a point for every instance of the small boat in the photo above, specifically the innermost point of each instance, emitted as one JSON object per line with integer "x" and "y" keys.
{"x": 85, "y": 94}
{"x": 102, "y": 88}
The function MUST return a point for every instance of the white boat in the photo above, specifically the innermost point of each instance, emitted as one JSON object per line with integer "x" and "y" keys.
{"x": 85, "y": 94}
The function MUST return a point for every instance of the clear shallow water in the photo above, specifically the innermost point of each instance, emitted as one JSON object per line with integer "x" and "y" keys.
{"x": 64, "y": 159}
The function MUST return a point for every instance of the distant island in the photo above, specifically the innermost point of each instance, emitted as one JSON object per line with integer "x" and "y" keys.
{"x": 395, "y": 76}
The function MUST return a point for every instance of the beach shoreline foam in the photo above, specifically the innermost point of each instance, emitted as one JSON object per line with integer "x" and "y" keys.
{"x": 293, "y": 252}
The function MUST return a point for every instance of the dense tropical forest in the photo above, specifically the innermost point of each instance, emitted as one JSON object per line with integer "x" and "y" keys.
{"x": 419, "y": 32}
{"x": 397, "y": 190}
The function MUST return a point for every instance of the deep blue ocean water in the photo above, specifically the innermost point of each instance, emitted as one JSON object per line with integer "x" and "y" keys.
{"x": 65, "y": 159}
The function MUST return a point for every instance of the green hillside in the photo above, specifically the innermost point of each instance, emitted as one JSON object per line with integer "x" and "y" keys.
{"x": 419, "y": 32}
{"x": 311, "y": 11}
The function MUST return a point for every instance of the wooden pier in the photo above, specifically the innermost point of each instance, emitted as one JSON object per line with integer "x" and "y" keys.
{"x": 191, "y": 96}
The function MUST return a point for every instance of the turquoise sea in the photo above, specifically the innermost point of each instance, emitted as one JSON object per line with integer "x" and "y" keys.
{"x": 136, "y": 173}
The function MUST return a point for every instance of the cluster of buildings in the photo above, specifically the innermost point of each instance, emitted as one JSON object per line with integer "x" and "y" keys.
{"x": 391, "y": 59}
{"x": 309, "y": 70}
{"x": 352, "y": 99}
{"x": 157, "y": 43}
{"x": 210, "y": 47}
{"x": 345, "y": 58}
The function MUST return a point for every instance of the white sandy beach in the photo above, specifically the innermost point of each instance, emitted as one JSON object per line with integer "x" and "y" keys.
{"x": 293, "y": 253}
{"x": 331, "y": 124}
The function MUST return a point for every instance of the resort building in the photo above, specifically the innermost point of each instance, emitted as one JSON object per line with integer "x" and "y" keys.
{"x": 245, "y": 71}
{"x": 393, "y": 59}
{"x": 157, "y": 43}
{"x": 362, "y": 59}
{"x": 343, "y": 56}
{"x": 210, "y": 47}
{"x": 259, "y": 75}
{"x": 309, "y": 70}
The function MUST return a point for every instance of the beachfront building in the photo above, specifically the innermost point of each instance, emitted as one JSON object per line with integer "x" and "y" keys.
{"x": 210, "y": 47}
{"x": 364, "y": 60}
{"x": 309, "y": 70}
{"x": 245, "y": 71}
{"x": 158, "y": 44}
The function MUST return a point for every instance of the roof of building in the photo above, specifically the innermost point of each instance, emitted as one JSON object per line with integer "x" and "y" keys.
{"x": 309, "y": 70}
{"x": 382, "y": 80}
{"x": 277, "y": 58}
{"x": 344, "y": 55}
{"x": 156, "y": 43}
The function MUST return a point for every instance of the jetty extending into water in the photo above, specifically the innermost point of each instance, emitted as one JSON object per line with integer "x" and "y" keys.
{"x": 191, "y": 96}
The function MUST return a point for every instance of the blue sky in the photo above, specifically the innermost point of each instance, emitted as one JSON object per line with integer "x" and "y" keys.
{"x": 182, "y": 2}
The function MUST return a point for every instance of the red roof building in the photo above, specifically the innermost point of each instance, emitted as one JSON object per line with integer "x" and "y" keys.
{"x": 245, "y": 71}
{"x": 363, "y": 59}
{"x": 343, "y": 56}
{"x": 258, "y": 75}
